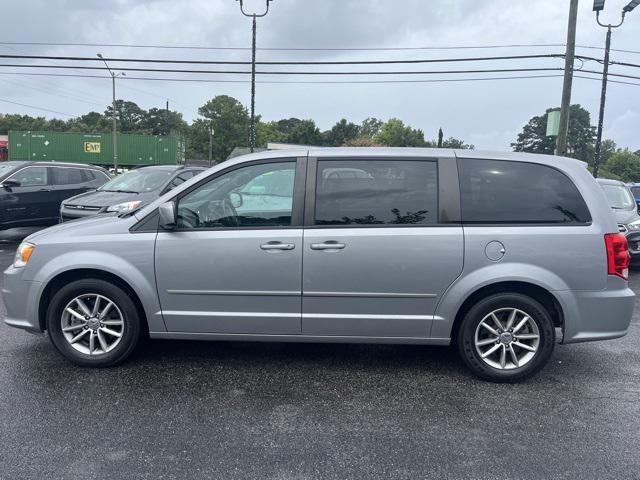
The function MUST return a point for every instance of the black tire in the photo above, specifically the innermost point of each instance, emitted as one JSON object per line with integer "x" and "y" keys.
{"x": 470, "y": 322}
{"x": 131, "y": 330}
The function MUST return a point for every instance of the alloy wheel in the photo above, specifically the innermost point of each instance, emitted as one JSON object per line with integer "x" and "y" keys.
{"x": 92, "y": 324}
{"x": 507, "y": 338}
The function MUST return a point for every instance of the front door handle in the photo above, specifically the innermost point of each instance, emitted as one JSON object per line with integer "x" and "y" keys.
{"x": 269, "y": 246}
{"x": 329, "y": 245}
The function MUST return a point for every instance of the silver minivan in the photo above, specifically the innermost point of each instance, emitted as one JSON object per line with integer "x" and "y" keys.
{"x": 501, "y": 254}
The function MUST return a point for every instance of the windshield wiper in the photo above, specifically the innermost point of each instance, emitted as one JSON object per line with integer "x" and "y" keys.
{"x": 119, "y": 191}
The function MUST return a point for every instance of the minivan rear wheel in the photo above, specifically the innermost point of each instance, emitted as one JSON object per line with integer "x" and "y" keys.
{"x": 93, "y": 323}
{"x": 506, "y": 337}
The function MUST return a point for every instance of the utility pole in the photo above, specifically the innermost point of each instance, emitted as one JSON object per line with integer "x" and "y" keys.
{"x": 166, "y": 116}
{"x": 252, "y": 127}
{"x": 210, "y": 144}
{"x": 598, "y": 6}
{"x": 565, "y": 109}
{"x": 114, "y": 132}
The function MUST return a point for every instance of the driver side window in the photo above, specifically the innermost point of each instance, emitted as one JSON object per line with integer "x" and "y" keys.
{"x": 254, "y": 196}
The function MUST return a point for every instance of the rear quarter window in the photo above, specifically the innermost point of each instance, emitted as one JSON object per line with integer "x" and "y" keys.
{"x": 502, "y": 192}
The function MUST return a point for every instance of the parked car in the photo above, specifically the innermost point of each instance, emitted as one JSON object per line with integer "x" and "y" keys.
{"x": 31, "y": 192}
{"x": 128, "y": 191}
{"x": 635, "y": 191}
{"x": 491, "y": 252}
{"x": 625, "y": 209}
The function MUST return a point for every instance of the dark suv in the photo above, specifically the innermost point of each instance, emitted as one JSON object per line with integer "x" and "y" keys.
{"x": 31, "y": 192}
{"x": 128, "y": 191}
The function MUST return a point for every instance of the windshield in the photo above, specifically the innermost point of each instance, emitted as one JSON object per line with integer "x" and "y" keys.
{"x": 8, "y": 167}
{"x": 636, "y": 191}
{"x": 138, "y": 181}
{"x": 619, "y": 197}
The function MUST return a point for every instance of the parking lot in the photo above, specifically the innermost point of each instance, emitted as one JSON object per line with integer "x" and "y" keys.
{"x": 294, "y": 411}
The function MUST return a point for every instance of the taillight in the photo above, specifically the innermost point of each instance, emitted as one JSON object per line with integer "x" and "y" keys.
{"x": 618, "y": 257}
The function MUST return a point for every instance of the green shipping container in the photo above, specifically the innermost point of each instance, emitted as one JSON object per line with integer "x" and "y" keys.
{"x": 95, "y": 148}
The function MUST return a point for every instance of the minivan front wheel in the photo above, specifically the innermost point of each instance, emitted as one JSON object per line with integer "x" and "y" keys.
{"x": 506, "y": 337}
{"x": 93, "y": 323}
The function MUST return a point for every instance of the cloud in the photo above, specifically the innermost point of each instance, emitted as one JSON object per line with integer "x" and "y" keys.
{"x": 486, "y": 113}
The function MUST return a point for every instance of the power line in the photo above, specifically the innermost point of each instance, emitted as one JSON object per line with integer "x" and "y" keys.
{"x": 201, "y": 80}
{"x": 312, "y": 49}
{"x": 36, "y": 108}
{"x": 49, "y": 91}
{"x": 281, "y": 72}
{"x": 342, "y": 62}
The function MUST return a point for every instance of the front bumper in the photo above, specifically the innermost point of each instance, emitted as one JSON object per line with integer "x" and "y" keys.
{"x": 21, "y": 300}
{"x": 67, "y": 214}
{"x": 633, "y": 238}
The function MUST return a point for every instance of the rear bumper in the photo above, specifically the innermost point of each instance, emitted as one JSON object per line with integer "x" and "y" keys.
{"x": 596, "y": 315}
{"x": 21, "y": 300}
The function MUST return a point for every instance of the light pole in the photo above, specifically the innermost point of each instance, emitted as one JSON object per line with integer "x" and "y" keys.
{"x": 598, "y": 6}
{"x": 113, "y": 112}
{"x": 252, "y": 127}
{"x": 210, "y": 143}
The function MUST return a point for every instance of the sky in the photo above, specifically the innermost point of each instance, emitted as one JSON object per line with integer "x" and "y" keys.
{"x": 486, "y": 113}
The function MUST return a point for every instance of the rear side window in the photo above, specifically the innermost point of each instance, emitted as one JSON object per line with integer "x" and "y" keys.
{"x": 67, "y": 176}
{"x": 517, "y": 192}
{"x": 376, "y": 192}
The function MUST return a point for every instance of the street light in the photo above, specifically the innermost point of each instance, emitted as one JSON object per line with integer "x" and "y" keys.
{"x": 113, "y": 112}
{"x": 598, "y": 6}
{"x": 252, "y": 128}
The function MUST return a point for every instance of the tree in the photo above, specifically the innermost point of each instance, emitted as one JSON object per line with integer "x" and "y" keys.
{"x": 230, "y": 121}
{"x": 268, "y": 132}
{"x": 21, "y": 122}
{"x": 304, "y": 132}
{"x": 609, "y": 148}
{"x": 394, "y": 133}
{"x": 580, "y": 141}
{"x": 362, "y": 142}
{"x": 159, "y": 121}
{"x": 128, "y": 115}
{"x": 626, "y": 165}
{"x": 452, "y": 142}
{"x": 370, "y": 127}
{"x": 341, "y": 133}
{"x": 92, "y": 122}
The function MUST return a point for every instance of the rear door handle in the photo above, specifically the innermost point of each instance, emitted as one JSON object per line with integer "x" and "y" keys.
{"x": 277, "y": 246}
{"x": 329, "y": 245}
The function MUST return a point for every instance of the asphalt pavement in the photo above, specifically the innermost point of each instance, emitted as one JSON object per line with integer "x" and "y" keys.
{"x": 295, "y": 411}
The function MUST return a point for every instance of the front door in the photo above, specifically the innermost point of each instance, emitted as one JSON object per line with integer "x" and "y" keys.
{"x": 376, "y": 258}
{"x": 234, "y": 263}
{"x": 31, "y": 202}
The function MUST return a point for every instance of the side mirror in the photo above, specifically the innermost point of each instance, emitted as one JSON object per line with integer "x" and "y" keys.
{"x": 236, "y": 199}
{"x": 167, "y": 213}
{"x": 9, "y": 184}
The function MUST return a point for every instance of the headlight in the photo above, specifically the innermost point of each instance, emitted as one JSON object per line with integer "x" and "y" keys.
{"x": 634, "y": 226}
{"x": 124, "y": 207}
{"x": 23, "y": 254}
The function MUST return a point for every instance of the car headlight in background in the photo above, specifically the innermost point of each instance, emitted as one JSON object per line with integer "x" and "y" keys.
{"x": 124, "y": 207}
{"x": 23, "y": 254}
{"x": 634, "y": 226}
